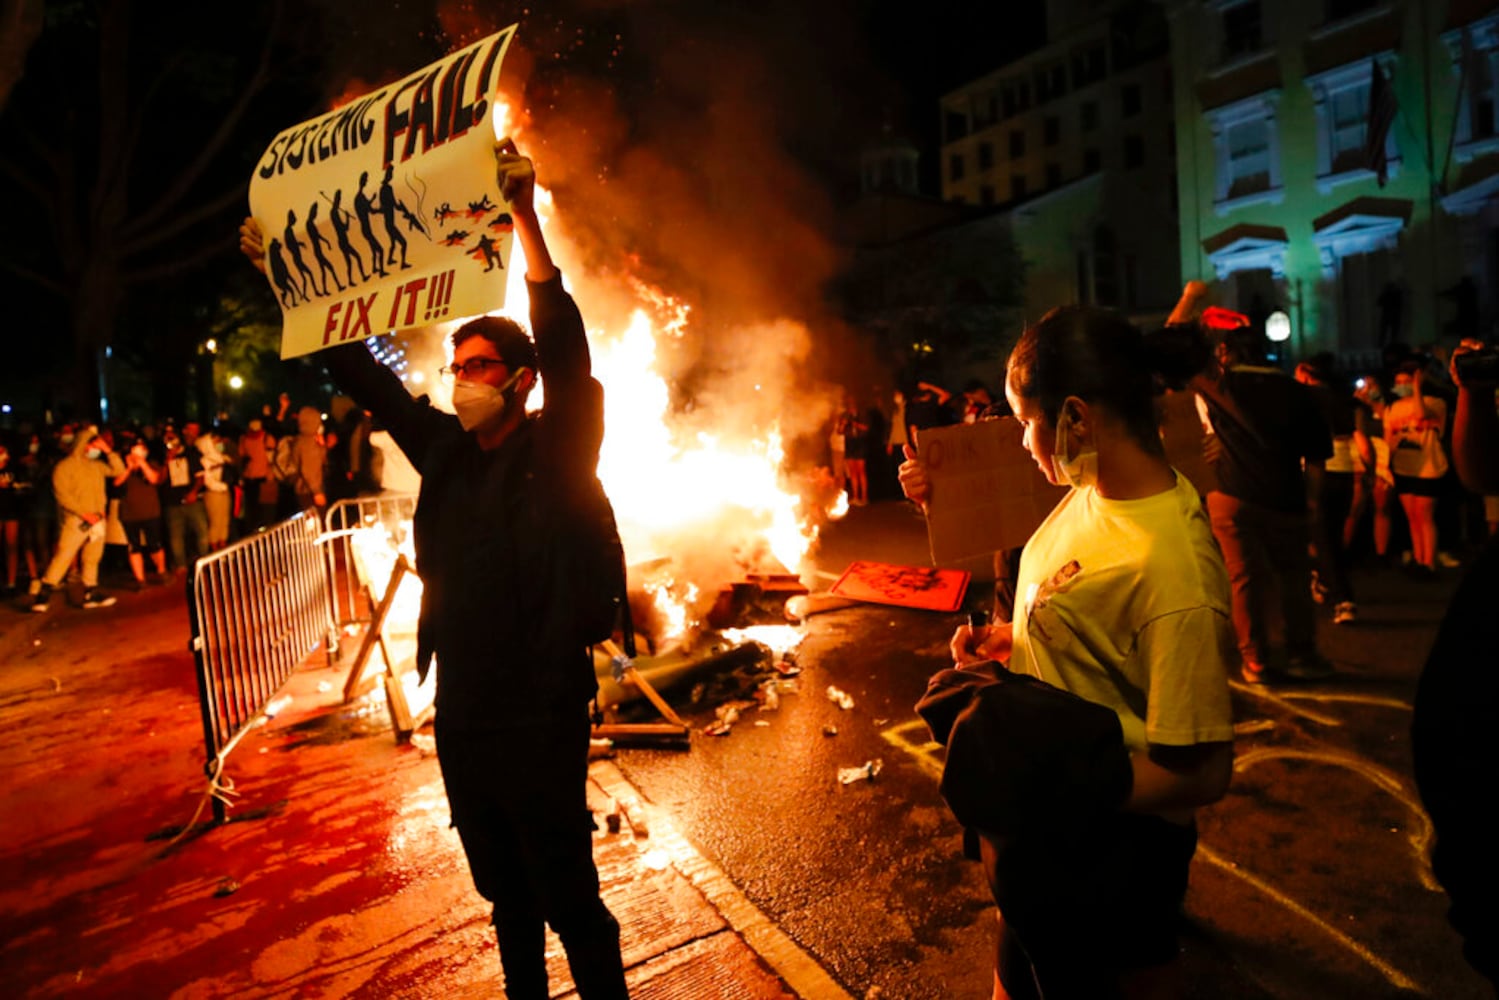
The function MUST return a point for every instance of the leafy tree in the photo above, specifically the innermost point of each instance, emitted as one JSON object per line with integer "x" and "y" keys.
{"x": 131, "y": 137}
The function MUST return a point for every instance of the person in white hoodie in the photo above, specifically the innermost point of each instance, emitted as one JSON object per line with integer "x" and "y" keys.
{"x": 78, "y": 483}
{"x": 216, "y": 495}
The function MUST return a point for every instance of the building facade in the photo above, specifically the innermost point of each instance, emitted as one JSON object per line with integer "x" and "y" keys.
{"x": 1291, "y": 200}
{"x": 1075, "y": 144}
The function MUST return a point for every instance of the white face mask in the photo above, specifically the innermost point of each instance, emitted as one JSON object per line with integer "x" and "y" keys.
{"x": 479, "y": 403}
{"x": 1079, "y": 470}
{"x": 1402, "y": 389}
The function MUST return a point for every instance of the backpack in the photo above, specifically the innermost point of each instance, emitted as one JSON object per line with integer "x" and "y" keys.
{"x": 602, "y": 606}
{"x": 284, "y": 459}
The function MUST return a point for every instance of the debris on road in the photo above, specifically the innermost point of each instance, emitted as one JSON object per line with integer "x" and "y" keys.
{"x": 864, "y": 772}
{"x": 841, "y": 698}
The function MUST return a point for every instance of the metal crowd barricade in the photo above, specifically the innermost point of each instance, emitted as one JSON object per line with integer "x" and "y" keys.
{"x": 348, "y": 595}
{"x": 257, "y": 608}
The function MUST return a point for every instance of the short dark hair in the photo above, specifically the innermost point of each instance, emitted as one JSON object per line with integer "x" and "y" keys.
{"x": 510, "y": 340}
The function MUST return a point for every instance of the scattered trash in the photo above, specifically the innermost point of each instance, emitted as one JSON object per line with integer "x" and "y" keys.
{"x": 613, "y": 818}
{"x": 830, "y": 730}
{"x": 600, "y": 749}
{"x": 324, "y": 687}
{"x": 727, "y": 716}
{"x": 424, "y": 742}
{"x": 276, "y": 705}
{"x": 769, "y": 696}
{"x": 842, "y": 699}
{"x": 786, "y": 666}
{"x": 880, "y": 722}
{"x": 865, "y": 772}
{"x": 227, "y": 887}
{"x": 656, "y": 859}
{"x": 636, "y": 816}
{"x": 761, "y": 722}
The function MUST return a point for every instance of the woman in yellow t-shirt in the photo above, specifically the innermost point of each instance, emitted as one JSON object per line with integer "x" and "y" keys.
{"x": 1122, "y": 599}
{"x": 1413, "y": 430}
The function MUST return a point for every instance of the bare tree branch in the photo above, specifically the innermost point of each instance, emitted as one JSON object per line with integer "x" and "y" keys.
{"x": 181, "y": 223}
{"x": 211, "y": 148}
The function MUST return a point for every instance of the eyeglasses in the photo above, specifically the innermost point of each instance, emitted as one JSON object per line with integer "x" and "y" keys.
{"x": 472, "y": 368}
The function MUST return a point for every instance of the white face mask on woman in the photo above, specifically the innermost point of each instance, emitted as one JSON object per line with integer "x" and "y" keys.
{"x": 1078, "y": 470}
{"x": 1402, "y": 389}
{"x": 479, "y": 403}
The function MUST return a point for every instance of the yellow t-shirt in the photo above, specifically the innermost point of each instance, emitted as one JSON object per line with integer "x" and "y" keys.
{"x": 1126, "y": 603}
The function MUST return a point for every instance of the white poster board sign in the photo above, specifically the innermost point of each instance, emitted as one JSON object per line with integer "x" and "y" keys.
{"x": 385, "y": 214}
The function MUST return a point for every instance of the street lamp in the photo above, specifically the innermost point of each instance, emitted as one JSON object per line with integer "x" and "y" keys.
{"x": 1278, "y": 327}
{"x": 235, "y": 382}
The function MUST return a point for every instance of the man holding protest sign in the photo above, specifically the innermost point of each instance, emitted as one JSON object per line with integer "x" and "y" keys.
{"x": 503, "y": 499}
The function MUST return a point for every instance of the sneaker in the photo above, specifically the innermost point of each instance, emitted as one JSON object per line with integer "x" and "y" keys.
{"x": 1309, "y": 667}
{"x": 43, "y": 598}
{"x": 1319, "y": 589}
{"x": 1448, "y": 560}
{"x": 1252, "y": 673}
{"x": 1344, "y": 613}
{"x": 97, "y": 598}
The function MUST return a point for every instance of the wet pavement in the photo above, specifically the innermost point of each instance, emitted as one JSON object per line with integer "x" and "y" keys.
{"x": 338, "y": 875}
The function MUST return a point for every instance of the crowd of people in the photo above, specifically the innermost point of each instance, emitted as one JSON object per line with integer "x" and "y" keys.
{"x": 148, "y": 499}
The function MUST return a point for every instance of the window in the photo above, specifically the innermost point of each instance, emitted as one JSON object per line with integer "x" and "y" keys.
{"x": 1092, "y": 161}
{"x": 1475, "y": 67}
{"x": 1134, "y": 152}
{"x": 986, "y": 155}
{"x": 954, "y": 125}
{"x": 1129, "y": 99}
{"x": 1017, "y": 144}
{"x": 1340, "y": 99}
{"x": 1051, "y": 82}
{"x": 1053, "y": 175}
{"x": 955, "y": 167}
{"x": 1015, "y": 96}
{"x": 1243, "y": 32}
{"x": 1088, "y": 115}
{"x": 1246, "y": 147}
{"x": 1051, "y": 130}
{"x": 1017, "y": 186}
{"x": 1088, "y": 66}
{"x": 985, "y": 109}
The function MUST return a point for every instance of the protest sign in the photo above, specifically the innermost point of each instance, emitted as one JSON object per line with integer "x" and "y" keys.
{"x": 987, "y": 493}
{"x": 385, "y": 214}
{"x": 920, "y": 587}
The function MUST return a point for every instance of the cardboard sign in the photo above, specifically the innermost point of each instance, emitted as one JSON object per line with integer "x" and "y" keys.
{"x": 385, "y": 214}
{"x": 920, "y": 587}
{"x": 987, "y": 493}
{"x": 1182, "y": 435}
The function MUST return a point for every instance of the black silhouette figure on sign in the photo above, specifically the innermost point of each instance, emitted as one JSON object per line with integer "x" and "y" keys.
{"x": 488, "y": 251}
{"x": 364, "y": 211}
{"x": 319, "y": 241}
{"x": 341, "y": 219}
{"x": 280, "y": 276}
{"x": 294, "y": 250}
{"x": 388, "y": 205}
{"x": 456, "y": 238}
{"x": 478, "y": 209}
{"x": 444, "y": 212}
{"x": 503, "y": 223}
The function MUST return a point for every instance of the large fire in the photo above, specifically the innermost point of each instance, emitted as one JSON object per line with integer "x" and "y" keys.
{"x": 700, "y": 501}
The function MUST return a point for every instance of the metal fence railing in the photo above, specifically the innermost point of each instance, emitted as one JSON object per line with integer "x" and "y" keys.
{"x": 257, "y": 608}
{"x": 391, "y": 512}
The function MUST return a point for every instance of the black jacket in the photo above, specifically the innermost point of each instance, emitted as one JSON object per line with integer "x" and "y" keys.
{"x": 491, "y": 528}
{"x": 1023, "y": 756}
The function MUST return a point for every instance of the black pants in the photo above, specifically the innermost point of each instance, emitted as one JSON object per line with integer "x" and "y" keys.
{"x": 520, "y": 805}
{"x": 1079, "y": 908}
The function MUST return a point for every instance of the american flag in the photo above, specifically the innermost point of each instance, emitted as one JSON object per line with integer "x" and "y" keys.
{"x": 1382, "y": 109}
